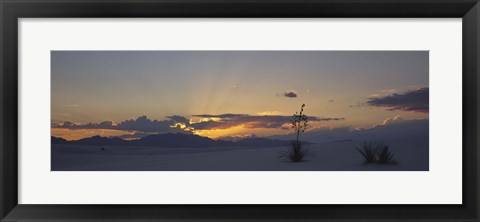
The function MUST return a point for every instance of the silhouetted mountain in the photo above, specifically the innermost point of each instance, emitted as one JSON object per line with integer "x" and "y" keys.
{"x": 102, "y": 141}
{"x": 172, "y": 140}
{"x": 58, "y": 140}
{"x": 179, "y": 140}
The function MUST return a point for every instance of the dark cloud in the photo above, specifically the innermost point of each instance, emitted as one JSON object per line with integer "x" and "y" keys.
{"x": 414, "y": 101}
{"x": 249, "y": 121}
{"x": 227, "y": 115}
{"x": 178, "y": 123}
{"x": 141, "y": 124}
{"x": 331, "y": 100}
{"x": 207, "y": 125}
{"x": 178, "y": 119}
{"x": 144, "y": 124}
{"x": 71, "y": 125}
{"x": 290, "y": 94}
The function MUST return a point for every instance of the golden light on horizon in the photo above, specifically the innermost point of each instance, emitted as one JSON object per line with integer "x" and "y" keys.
{"x": 77, "y": 134}
{"x": 240, "y": 131}
{"x": 216, "y": 119}
{"x": 236, "y": 131}
{"x": 217, "y": 133}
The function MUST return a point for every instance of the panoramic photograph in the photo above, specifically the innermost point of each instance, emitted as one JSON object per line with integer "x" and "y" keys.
{"x": 239, "y": 110}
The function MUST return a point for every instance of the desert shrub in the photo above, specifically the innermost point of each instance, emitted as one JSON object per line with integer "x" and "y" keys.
{"x": 297, "y": 152}
{"x": 385, "y": 156}
{"x": 368, "y": 150}
{"x": 376, "y": 152}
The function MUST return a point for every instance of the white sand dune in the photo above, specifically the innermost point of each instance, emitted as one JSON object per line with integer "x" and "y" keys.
{"x": 412, "y": 155}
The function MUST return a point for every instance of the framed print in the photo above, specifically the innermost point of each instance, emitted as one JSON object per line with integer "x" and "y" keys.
{"x": 281, "y": 110}
{"x": 223, "y": 133}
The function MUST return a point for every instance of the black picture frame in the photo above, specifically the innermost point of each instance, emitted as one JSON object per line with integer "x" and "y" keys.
{"x": 12, "y": 10}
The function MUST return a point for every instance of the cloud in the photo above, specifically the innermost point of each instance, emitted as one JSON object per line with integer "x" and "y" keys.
{"x": 225, "y": 121}
{"x": 72, "y": 125}
{"x": 388, "y": 121}
{"x": 226, "y": 115}
{"x": 176, "y": 123}
{"x": 290, "y": 94}
{"x": 141, "y": 124}
{"x": 395, "y": 128}
{"x": 144, "y": 124}
{"x": 413, "y": 101}
{"x": 269, "y": 113}
{"x": 393, "y": 120}
{"x": 179, "y": 119}
{"x": 389, "y": 90}
{"x": 331, "y": 100}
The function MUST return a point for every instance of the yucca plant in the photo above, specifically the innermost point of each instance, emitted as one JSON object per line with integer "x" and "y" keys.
{"x": 376, "y": 152}
{"x": 297, "y": 152}
{"x": 385, "y": 156}
{"x": 368, "y": 150}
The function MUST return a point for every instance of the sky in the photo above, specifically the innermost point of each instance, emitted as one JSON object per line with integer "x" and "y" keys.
{"x": 221, "y": 94}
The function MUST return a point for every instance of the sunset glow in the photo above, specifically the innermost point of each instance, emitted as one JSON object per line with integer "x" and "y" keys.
{"x": 236, "y": 94}
{"x": 69, "y": 134}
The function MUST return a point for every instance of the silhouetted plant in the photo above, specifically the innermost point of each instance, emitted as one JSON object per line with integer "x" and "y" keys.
{"x": 376, "y": 152}
{"x": 368, "y": 150}
{"x": 299, "y": 122}
{"x": 385, "y": 156}
{"x": 297, "y": 152}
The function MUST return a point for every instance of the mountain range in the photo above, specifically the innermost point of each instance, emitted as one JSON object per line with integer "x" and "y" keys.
{"x": 172, "y": 140}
